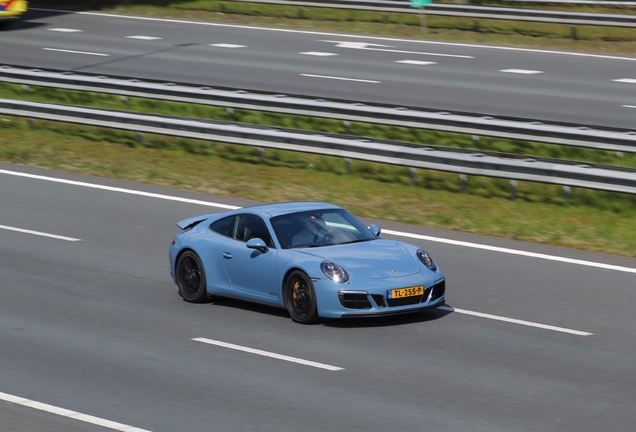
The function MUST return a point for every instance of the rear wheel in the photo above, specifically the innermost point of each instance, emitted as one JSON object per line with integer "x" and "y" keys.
{"x": 300, "y": 298}
{"x": 191, "y": 278}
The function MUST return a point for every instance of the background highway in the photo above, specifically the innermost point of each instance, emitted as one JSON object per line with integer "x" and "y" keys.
{"x": 96, "y": 326}
{"x": 538, "y": 84}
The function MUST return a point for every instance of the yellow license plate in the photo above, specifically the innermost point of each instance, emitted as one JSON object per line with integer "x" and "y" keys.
{"x": 406, "y": 292}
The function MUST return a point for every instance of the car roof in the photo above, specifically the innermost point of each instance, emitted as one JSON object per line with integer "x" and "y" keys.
{"x": 277, "y": 209}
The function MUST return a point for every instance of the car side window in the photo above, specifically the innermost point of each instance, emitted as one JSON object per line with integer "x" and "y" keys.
{"x": 224, "y": 226}
{"x": 252, "y": 226}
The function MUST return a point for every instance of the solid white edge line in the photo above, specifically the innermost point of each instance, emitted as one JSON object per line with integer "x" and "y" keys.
{"x": 268, "y": 354}
{"x": 388, "y": 39}
{"x": 69, "y": 413}
{"x": 386, "y": 231}
{"x": 511, "y": 251}
{"x": 76, "y": 52}
{"x": 516, "y": 321}
{"x": 120, "y": 190}
{"x": 340, "y": 78}
{"x": 38, "y": 233}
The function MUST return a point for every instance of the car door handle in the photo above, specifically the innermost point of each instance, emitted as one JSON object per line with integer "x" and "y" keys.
{"x": 227, "y": 255}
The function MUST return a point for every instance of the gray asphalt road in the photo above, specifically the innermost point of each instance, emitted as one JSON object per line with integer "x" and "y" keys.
{"x": 538, "y": 84}
{"x": 96, "y": 326}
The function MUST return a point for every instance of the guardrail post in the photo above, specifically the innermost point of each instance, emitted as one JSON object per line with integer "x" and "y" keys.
{"x": 230, "y": 113}
{"x": 567, "y": 193}
{"x": 30, "y": 123}
{"x": 413, "y": 172}
{"x": 513, "y": 190}
{"x": 25, "y": 88}
{"x": 222, "y": 7}
{"x": 347, "y": 125}
{"x": 476, "y": 24}
{"x": 619, "y": 155}
{"x": 261, "y": 152}
{"x": 463, "y": 182}
{"x": 574, "y": 32}
{"x": 348, "y": 165}
{"x": 385, "y": 17}
{"x": 476, "y": 140}
{"x": 140, "y": 137}
{"x": 301, "y": 13}
{"x": 124, "y": 99}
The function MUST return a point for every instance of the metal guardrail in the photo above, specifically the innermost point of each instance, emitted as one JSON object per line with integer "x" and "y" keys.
{"x": 596, "y": 137}
{"x": 488, "y": 164}
{"x": 466, "y": 11}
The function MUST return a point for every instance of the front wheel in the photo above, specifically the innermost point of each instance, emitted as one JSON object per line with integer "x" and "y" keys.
{"x": 191, "y": 278}
{"x": 300, "y": 298}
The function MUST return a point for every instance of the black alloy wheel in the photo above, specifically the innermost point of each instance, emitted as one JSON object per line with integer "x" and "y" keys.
{"x": 191, "y": 278}
{"x": 300, "y": 298}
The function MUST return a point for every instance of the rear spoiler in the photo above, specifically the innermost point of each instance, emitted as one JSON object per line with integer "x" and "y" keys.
{"x": 193, "y": 221}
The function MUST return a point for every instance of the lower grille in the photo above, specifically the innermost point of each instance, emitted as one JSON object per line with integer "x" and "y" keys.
{"x": 354, "y": 300}
{"x": 405, "y": 301}
{"x": 439, "y": 289}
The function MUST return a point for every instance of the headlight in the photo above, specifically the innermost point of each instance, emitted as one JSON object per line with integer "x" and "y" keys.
{"x": 334, "y": 272}
{"x": 426, "y": 259}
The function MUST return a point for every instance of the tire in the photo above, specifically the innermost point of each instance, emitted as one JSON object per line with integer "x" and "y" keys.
{"x": 300, "y": 298}
{"x": 191, "y": 278}
{"x": 7, "y": 24}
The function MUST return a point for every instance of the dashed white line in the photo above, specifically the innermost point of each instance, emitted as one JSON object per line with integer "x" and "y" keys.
{"x": 268, "y": 354}
{"x": 516, "y": 321}
{"x": 522, "y": 71}
{"x": 415, "y": 62}
{"x": 629, "y": 106}
{"x": 318, "y": 53}
{"x": 384, "y": 48}
{"x": 69, "y": 414}
{"x": 76, "y": 52}
{"x": 65, "y": 30}
{"x": 38, "y": 233}
{"x": 225, "y": 45}
{"x": 140, "y": 37}
{"x": 626, "y": 80}
{"x": 340, "y": 78}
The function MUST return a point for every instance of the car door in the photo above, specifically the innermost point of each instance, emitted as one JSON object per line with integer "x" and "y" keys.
{"x": 250, "y": 270}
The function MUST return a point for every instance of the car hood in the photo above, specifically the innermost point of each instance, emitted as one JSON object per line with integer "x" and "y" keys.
{"x": 375, "y": 259}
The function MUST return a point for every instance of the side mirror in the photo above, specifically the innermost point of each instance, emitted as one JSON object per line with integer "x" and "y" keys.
{"x": 258, "y": 244}
{"x": 375, "y": 230}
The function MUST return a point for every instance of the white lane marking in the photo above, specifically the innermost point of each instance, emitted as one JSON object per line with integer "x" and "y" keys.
{"x": 372, "y": 47}
{"x": 340, "y": 78}
{"x": 626, "y": 80}
{"x": 629, "y": 106}
{"x": 319, "y": 54}
{"x": 68, "y": 413}
{"x": 224, "y": 45}
{"x": 38, "y": 233}
{"x": 140, "y": 37}
{"x": 512, "y": 251}
{"x": 120, "y": 190}
{"x": 521, "y": 71}
{"x": 415, "y": 62}
{"x": 268, "y": 354}
{"x": 516, "y": 321}
{"x": 76, "y": 52}
{"x": 386, "y": 231}
{"x": 318, "y": 33}
{"x": 65, "y": 30}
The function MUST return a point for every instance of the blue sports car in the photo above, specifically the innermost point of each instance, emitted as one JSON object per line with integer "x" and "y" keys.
{"x": 314, "y": 259}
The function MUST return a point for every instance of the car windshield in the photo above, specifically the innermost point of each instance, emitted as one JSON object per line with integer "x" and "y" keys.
{"x": 317, "y": 228}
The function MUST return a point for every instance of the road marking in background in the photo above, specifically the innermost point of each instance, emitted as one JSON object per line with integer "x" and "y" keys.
{"x": 268, "y": 354}
{"x": 25, "y": 231}
{"x": 143, "y": 37}
{"x": 65, "y": 30}
{"x": 516, "y": 321}
{"x": 340, "y": 78}
{"x": 68, "y": 413}
{"x": 626, "y": 80}
{"x": 385, "y": 48}
{"x": 511, "y": 251}
{"x": 415, "y": 62}
{"x": 521, "y": 71}
{"x": 629, "y": 106}
{"x": 389, "y": 232}
{"x": 319, "y": 54}
{"x": 319, "y": 33}
{"x": 120, "y": 190}
{"x": 76, "y": 52}
{"x": 222, "y": 45}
